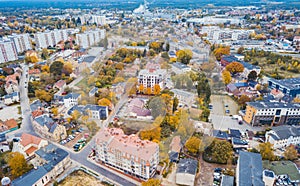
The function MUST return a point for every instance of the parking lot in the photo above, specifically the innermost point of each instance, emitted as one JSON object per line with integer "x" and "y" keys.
{"x": 223, "y": 105}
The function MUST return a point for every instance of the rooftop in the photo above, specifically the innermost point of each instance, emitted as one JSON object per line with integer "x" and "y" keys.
{"x": 285, "y": 131}
{"x": 268, "y": 105}
{"x": 27, "y": 139}
{"x": 180, "y": 65}
{"x": 250, "y": 169}
{"x": 187, "y": 166}
{"x": 291, "y": 83}
{"x": 130, "y": 145}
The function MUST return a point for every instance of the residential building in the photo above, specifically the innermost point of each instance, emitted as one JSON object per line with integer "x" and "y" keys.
{"x": 283, "y": 136}
{"x": 136, "y": 109}
{"x": 93, "y": 91}
{"x": 50, "y": 38}
{"x": 272, "y": 113}
{"x": 60, "y": 84}
{"x": 90, "y": 38}
{"x": 175, "y": 148}
{"x": 21, "y": 42}
{"x": 11, "y": 98}
{"x": 186, "y": 171}
{"x": 289, "y": 86}
{"x": 49, "y": 129}
{"x": 180, "y": 68}
{"x": 184, "y": 97}
{"x": 150, "y": 77}
{"x": 98, "y": 20}
{"x": 52, "y": 162}
{"x": 71, "y": 99}
{"x": 34, "y": 74}
{"x": 227, "y": 59}
{"x": 8, "y": 51}
{"x": 12, "y": 83}
{"x": 29, "y": 144}
{"x": 269, "y": 177}
{"x": 249, "y": 170}
{"x": 128, "y": 154}
{"x": 249, "y": 68}
{"x": 8, "y": 126}
{"x": 97, "y": 112}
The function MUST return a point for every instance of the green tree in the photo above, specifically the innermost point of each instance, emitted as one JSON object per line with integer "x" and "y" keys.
{"x": 241, "y": 50}
{"x": 193, "y": 145}
{"x": 175, "y": 104}
{"x": 219, "y": 151}
{"x": 56, "y": 68}
{"x": 252, "y": 75}
{"x": 45, "y": 53}
{"x": 184, "y": 56}
{"x": 266, "y": 151}
{"x": 290, "y": 153}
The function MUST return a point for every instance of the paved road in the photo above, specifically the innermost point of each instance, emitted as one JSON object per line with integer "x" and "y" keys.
{"x": 80, "y": 157}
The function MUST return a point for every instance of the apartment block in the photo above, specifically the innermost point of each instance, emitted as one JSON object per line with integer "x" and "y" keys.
{"x": 150, "y": 77}
{"x": 8, "y": 51}
{"x": 129, "y": 154}
{"x": 289, "y": 86}
{"x": 272, "y": 113}
{"x": 50, "y": 38}
{"x": 21, "y": 42}
{"x": 90, "y": 38}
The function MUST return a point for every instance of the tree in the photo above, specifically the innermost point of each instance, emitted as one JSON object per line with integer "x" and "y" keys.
{"x": 45, "y": 68}
{"x": 75, "y": 115}
{"x": 155, "y": 46}
{"x": 152, "y": 182}
{"x": 104, "y": 102}
{"x": 290, "y": 153}
{"x": 153, "y": 134}
{"x": 266, "y": 151}
{"x": 67, "y": 68}
{"x": 56, "y": 68}
{"x": 219, "y": 151}
{"x": 157, "y": 107}
{"x": 218, "y": 52}
{"x": 252, "y": 75}
{"x": 226, "y": 77}
{"x": 235, "y": 67}
{"x": 17, "y": 164}
{"x": 175, "y": 104}
{"x": 241, "y": 50}
{"x": 296, "y": 100}
{"x": 45, "y": 53}
{"x": 85, "y": 118}
{"x": 55, "y": 111}
{"x": 184, "y": 56}
{"x": 43, "y": 95}
{"x": 148, "y": 91}
{"x": 193, "y": 145}
{"x": 156, "y": 89}
{"x": 243, "y": 100}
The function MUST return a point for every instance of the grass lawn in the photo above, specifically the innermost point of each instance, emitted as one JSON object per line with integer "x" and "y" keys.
{"x": 83, "y": 84}
{"x": 283, "y": 167}
{"x": 270, "y": 68}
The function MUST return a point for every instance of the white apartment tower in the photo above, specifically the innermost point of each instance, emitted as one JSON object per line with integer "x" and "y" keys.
{"x": 21, "y": 42}
{"x": 50, "y": 38}
{"x": 90, "y": 38}
{"x": 7, "y": 51}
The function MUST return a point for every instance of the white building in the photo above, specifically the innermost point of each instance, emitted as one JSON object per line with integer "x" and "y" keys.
{"x": 151, "y": 77}
{"x": 71, "y": 99}
{"x": 180, "y": 68}
{"x": 127, "y": 154}
{"x": 184, "y": 97}
{"x": 216, "y": 33}
{"x": 99, "y": 20}
{"x": 8, "y": 51}
{"x": 90, "y": 38}
{"x": 283, "y": 136}
{"x": 50, "y": 38}
{"x": 21, "y": 42}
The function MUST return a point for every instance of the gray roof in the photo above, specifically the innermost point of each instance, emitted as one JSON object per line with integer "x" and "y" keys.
{"x": 220, "y": 134}
{"x": 285, "y": 131}
{"x": 31, "y": 177}
{"x": 227, "y": 180}
{"x": 36, "y": 105}
{"x": 250, "y": 169}
{"x": 47, "y": 121}
{"x": 52, "y": 155}
{"x": 268, "y": 105}
{"x": 180, "y": 65}
{"x": 187, "y": 166}
{"x": 72, "y": 95}
{"x": 291, "y": 83}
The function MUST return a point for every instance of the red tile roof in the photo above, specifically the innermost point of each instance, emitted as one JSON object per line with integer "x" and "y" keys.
{"x": 27, "y": 139}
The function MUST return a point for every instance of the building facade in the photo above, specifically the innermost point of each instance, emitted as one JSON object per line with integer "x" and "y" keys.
{"x": 128, "y": 154}
{"x": 150, "y": 77}
{"x": 8, "y": 51}
{"x": 90, "y": 38}
{"x": 21, "y": 42}
{"x": 50, "y": 38}
{"x": 289, "y": 87}
{"x": 283, "y": 136}
{"x": 272, "y": 113}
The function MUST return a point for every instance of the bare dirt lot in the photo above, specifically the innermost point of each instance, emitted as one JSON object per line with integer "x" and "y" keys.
{"x": 80, "y": 178}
